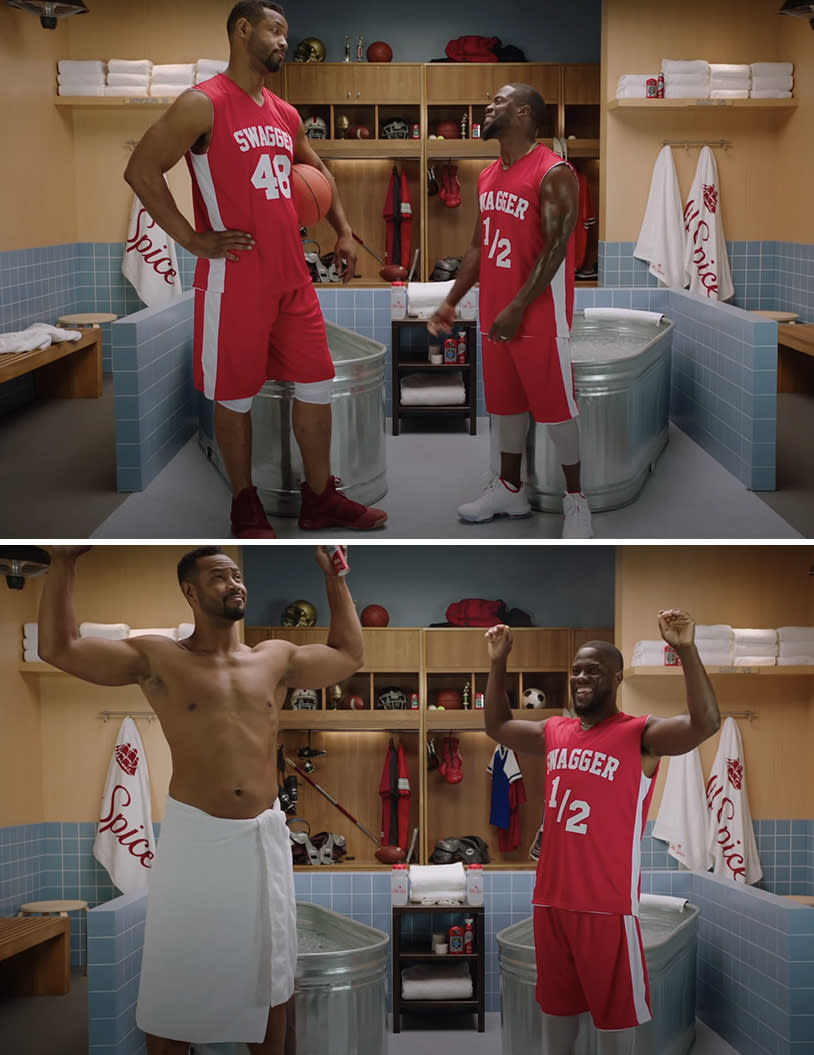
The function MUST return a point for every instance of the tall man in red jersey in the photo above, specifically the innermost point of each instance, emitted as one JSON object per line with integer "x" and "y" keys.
{"x": 522, "y": 253}
{"x": 600, "y": 771}
{"x": 257, "y": 315}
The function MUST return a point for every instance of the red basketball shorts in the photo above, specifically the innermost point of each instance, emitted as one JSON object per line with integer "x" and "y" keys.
{"x": 245, "y": 338}
{"x": 529, "y": 373}
{"x": 591, "y": 961}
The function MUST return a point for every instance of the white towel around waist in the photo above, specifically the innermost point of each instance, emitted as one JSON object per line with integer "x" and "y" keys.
{"x": 444, "y": 981}
{"x": 219, "y": 953}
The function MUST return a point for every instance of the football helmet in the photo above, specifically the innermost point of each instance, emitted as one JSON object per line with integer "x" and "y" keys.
{"x": 299, "y": 613}
{"x": 304, "y": 700}
{"x": 391, "y": 699}
{"x": 396, "y": 129}
{"x": 310, "y": 50}
{"x": 315, "y": 127}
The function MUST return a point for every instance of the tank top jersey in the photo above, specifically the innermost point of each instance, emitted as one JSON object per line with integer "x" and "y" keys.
{"x": 511, "y": 242}
{"x": 243, "y": 183}
{"x": 596, "y": 803}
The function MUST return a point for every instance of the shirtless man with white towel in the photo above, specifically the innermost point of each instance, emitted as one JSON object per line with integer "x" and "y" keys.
{"x": 220, "y": 947}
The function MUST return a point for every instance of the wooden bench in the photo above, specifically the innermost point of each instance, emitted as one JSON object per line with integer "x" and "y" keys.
{"x": 795, "y": 357}
{"x": 35, "y": 955}
{"x": 65, "y": 370}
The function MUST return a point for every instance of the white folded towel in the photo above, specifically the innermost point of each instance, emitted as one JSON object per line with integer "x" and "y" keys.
{"x": 715, "y": 658}
{"x": 686, "y": 91}
{"x": 805, "y": 660}
{"x": 663, "y": 901}
{"x": 31, "y": 629}
{"x": 772, "y": 69}
{"x": 729, "y": 93}
{"x": 174, "y": 72}
{"x": 129, "y": 91}
{"x": 167, "y": 631}
{"x": 215, "y": 65}
{"x": 624, "y": 315}
{"x": 754, "y": 661}
{"x": 632, "y": 91}
{"x": 628, "y": 80}
{"x": 111, "y": 631}
{"x": 765, "y": 635}
{"x": 38, "y": 335}
{"x": 185, "y": 630}
{"x": 661, "y": 238}
{"x": 442, "y": 388}
{"x": 138, "y": 80}
{"x": 81, "y": 66}
{"x": 423, "y": 298}
{"x": 769, "y": 93}
{"x": 783, "y": 83}
{"x": 713, "y": 632}
{"x": 686, "y": 78}
{"x": 432, "y": 881}
{"x": 167, "y": 91}
{"x": 81, "y": 89}
{"x": 648, "y": 654}
{"x": 744, "y": 647}
{"x": 130, "y": 65}
{"x": 796, "y": 648}
{"x": 31, "y": 655}
{"x": 88, "y": 79}
{"x": 445, "y": 981}
{"x": 680, "y": 66}
{"x": 787, "y": 633}
{"x": 730, "y": 69}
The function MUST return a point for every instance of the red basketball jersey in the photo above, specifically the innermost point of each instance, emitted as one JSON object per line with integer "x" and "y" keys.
{"x": 511, "y": 242}
{"x": 243, "y": 183}
{"x": 596, "y": 806}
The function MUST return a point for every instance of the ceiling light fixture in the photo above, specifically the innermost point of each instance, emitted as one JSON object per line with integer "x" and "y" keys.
{"x": 49, "y": 12}
{"x": 19, "y": 563}
{"x": 800, "y": 9}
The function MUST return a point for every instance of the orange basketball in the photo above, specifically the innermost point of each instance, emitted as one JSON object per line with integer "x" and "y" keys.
{"x": 312, "y": 194}
{"x": 375, "y": 615}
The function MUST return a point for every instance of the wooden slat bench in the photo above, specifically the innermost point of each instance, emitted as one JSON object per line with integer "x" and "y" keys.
{"x": 35, "y": 955}
{"x": 795, "y": 357}
{"x": 65, "y": 370}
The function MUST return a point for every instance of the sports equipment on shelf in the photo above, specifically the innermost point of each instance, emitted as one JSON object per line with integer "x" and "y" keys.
{"x": 375, "y": 615}
{"x": 299, "y": 613}
{"x": 533, "y": 698}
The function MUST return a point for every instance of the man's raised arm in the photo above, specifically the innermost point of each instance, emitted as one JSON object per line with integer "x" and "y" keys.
{"x": 92, "y": 659}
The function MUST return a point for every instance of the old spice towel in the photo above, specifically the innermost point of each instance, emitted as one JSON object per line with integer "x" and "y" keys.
{"x": 661, "y": 239}
{"x": 150, "y": 262}
{"x": 682, "y": 820}
{"x": 705, "y": 261}
{"x": 125, "y": 843}
{"x": 731, "y": 836}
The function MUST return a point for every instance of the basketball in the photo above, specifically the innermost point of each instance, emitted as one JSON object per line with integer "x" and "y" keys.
{"x": 375, "y": 615}
{"x": 312, "y": 194}
{"x": 378, "y": 51}
{"x": 448, "y": 130}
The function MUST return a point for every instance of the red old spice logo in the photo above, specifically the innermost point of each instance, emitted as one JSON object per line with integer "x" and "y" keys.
{"x": 723, "y": 811}
{"x": 129, "y": 837}
{"x": 142, "y": 243}
{"x": 127, "y": 757}
{"x": 711, "y": 198}
{"x": 734, "y": 772}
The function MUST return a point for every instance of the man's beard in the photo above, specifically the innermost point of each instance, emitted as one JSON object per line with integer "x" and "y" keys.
{"x": 272, "y": 64}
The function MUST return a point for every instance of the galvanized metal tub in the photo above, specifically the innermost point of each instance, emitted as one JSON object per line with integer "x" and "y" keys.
{"x": 340, "y": 987}
{"x": 670, "y": 941}
{"x": 622, "y": 382}
{"x": 357, "y": 437}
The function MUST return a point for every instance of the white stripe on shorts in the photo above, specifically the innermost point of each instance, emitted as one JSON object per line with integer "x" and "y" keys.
{"x": 210, "y": 332}
{"x": 637, "y": 968}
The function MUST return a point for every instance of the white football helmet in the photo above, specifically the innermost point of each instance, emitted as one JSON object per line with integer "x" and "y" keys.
{"x": 316, "y": 127}
{"x": 304, "y": 700}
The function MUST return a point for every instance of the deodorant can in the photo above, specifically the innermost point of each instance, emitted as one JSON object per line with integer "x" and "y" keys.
{"x": 338, "y": 560}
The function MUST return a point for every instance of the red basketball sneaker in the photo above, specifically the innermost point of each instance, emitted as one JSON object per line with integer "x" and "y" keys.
{"x": 333, "y": 509}
{"x": 249, "y": 517}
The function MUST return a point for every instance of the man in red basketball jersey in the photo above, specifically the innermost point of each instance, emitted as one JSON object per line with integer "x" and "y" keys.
{"x": 257, "y": 315}
{"x": 522, "y": 254}
{"x": 599, "y": 779}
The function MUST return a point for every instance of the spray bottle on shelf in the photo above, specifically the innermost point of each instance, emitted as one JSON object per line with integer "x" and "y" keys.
{"x": 399, "y": 883}
{"x": 469, "y": 935}
{"x": 474, "y": 884}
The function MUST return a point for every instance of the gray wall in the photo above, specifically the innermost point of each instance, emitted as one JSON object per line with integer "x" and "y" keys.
{"x": 419, "y": 31}
{"x": 556, "y": 585}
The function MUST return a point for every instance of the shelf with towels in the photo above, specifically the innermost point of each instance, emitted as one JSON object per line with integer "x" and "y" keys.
{"x": 687, "y": 104}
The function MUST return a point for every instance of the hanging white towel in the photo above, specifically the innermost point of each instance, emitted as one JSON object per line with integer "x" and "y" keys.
{"x": 682, "y": 817}
{"x": 150, "y": 261}
{"x": 661, "y": 239}
{"x": 705, "y": 260}
{"x": 731, "y": 845}
{"x": 125, "y": 843}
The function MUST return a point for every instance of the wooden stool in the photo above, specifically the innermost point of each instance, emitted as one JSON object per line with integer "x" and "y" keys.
{"x": 779, "y": 316}
{"x": 86, "y": 320}
{"x": 58, "y": 908}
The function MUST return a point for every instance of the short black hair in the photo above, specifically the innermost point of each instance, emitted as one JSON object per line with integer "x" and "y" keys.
{"x": 608, "y": 649}
{"x": 528, "y": 96}
{"x": 187, "y": 565}
{"x": 251, "y": 9}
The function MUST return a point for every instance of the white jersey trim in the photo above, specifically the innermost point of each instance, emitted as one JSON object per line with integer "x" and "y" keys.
{"x": 210, "y": 331}
{"x": 206, "y": 185}
{"x": 637, "y": 971}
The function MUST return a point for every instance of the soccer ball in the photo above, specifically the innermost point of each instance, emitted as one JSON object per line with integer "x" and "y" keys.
{"x": 533, "y": 698}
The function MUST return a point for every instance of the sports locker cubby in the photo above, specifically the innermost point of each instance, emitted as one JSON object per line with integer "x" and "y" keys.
{"x": 424, "y": 661}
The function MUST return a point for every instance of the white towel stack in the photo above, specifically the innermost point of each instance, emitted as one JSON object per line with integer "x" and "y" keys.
{"x": 714, "y": 644}
{"x": 111, "y": 631}
{"x": 129, "y": 77}
{"x": 633, "y": 85}
{"x": 729, "y": 80}
{"x": 649, "y": 653}
{"x": 795, "y": 646}
{"x": 772, "y": 80}
{"x": 429, "y": 981}
{"x": 81, "y": 77}
{"x": 438, "y": 883}
{"x": 206, "y": 68}
{"x": 685, "y": 79}
{"x": 31, "y": 643}
{"x": 754, "y": 647}
{"x": 440, "y": 389}
{"x": 170, "y": 79}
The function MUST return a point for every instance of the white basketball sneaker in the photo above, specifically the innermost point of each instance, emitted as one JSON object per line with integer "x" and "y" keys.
{"x": 576, "y": 516}
{"x": 498, "y": 499}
